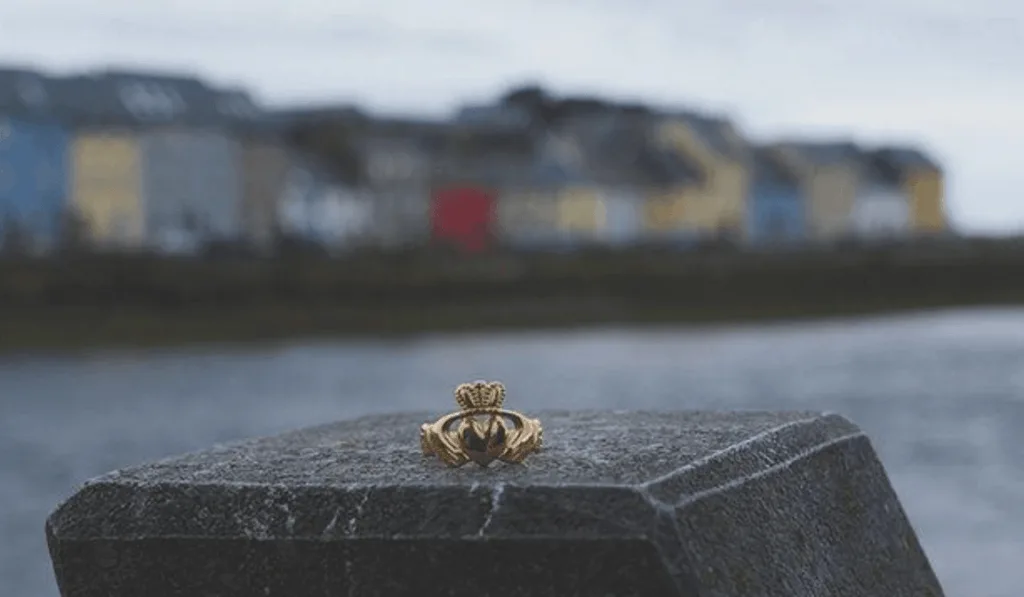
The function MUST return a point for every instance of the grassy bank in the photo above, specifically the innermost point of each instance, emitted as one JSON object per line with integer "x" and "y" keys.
{"x": 90, "y": 301}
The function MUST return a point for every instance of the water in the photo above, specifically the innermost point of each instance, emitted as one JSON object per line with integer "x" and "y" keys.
{"x": 942, "y": 396}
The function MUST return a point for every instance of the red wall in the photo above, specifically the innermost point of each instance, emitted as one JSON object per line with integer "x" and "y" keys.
{"x": 463, "y": 216}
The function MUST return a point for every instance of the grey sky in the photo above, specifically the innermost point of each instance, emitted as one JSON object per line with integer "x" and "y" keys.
{"x": 946, "y": 73}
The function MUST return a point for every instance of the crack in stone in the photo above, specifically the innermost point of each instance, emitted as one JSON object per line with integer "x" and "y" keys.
{"x": 353, "y": 522}
{"x": 289, "y": 522}
{"x": 332, "y": 523}
{"x": 496, "y": 493}
{"x": 351, "y": 528}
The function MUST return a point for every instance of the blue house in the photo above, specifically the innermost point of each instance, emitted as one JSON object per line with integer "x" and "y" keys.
{"x": 776, "y": 211}
{"x": 33, "y": 160}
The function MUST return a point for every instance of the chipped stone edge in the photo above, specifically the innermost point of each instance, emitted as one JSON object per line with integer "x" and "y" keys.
{"x": 663, "y": 508}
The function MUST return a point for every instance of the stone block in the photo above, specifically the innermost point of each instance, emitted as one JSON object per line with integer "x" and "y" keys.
{"x": 622, "y": 504}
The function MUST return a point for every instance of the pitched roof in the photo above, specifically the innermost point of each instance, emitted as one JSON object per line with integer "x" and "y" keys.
{"x": 619, "y": 149}
{"x": 24, "y": 92}
{"x": 342, "y": 112}
{"x": 879, "y": 167}
{"x": 907, "y": 157}
{"x": 482, "y": 156}
{"x": 503, "y": 116}
{"x": 768, "y": 167}
{"x": 714, "y": 131}
{"x": 822, "y": 153}
{"x": 141, "y": 99}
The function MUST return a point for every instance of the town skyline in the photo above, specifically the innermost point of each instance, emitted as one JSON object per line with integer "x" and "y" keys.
{"x": 937, "y": 74}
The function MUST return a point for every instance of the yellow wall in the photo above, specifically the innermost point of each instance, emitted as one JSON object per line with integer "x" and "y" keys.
{"x": 685, "y": 208}
{"x": 663, "y": 211}
{"x": 580, "y": 210}
{"x": 927, "y": 202}
{"x": 106, "y": 187}
{"x": 727, "y": 189}
{"x": 721, "y": 203}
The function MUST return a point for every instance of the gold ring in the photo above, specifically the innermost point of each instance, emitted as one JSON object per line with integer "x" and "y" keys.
{"x": 481, "y": 430}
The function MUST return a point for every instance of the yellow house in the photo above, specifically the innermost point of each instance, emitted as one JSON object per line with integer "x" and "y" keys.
{"x": 664, "y": 211}
{"x": 829, "y": 173}
{"x": 106, "y": 187}
{"x": 924, "y": 185}
{"x": 719, "y": 203}
{"x": 581, "y": 212}
{"x": 680, "y": 208}
{"x": 623, "y": 185}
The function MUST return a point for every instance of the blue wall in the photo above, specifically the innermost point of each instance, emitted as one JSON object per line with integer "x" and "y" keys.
{"x": 775, "y": 214}
{"x": 33, "y": 176}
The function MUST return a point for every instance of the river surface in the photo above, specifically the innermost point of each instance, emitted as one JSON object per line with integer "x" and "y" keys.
{"x": 940, "y": 394}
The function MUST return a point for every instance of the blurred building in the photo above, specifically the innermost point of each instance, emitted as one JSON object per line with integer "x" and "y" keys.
{"x": 718, "y": 206}
{"x": 881, "y": 208}
{"x": 145, "y": 161}
{"x": 318, "y": 207}
{"x": 829, "y": 173}
{"x": 471, "y": 165}
{"x": 777, "y": 206}
{"x": 156, "y": 162}
{"x": 921, "y": 178}
{"x": 852, "y": 192}
{"x": 266, "y": 162}
{"x": 33, "y": 162}
{"x": 629, "y": 177}
{"x": 528, "y": 214}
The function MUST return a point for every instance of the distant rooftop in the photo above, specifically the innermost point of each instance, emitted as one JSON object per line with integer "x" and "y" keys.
{"x": 823, "y": 152}
{"x": 119, "y": 97}
{"x": 768, "y": 167}
{"x": 618, "y": 148}
{"x": 24, "y": 92}
{"x": 908, "y": 157}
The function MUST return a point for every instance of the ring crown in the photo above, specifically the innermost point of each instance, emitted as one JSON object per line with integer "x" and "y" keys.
{"x": 480, "y": 395}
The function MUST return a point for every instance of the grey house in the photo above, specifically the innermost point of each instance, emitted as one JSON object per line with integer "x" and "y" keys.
{"x": 396, "y": 156}
{"x": 184, "y": 133}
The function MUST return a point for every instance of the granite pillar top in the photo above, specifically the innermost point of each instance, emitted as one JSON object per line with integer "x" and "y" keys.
{"x": 659, "y": 456}
{"x": 727, "y": 502}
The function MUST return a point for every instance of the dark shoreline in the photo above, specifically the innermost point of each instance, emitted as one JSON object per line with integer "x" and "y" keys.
{"x": 86, "y": 302}
{"x": 81, "y": 330}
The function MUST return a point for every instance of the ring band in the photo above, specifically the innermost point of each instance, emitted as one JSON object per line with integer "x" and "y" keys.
{"x": 481, "y": 430}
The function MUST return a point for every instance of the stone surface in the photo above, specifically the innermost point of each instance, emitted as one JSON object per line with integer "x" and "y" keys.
{"x": 618, "y": 504}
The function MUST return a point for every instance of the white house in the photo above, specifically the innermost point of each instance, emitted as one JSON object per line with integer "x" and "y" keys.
{"x": 880, "y": 211}
{"x": 318, "y": 208}
{"x": 881, "y": 208}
